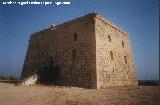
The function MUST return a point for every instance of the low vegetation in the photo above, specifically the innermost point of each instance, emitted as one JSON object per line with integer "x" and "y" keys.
{"x": 5, "y": 77}
{"x": 149, "y": 82}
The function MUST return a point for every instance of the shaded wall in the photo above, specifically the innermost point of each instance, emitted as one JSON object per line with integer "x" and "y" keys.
{"x": 71, "y": 46}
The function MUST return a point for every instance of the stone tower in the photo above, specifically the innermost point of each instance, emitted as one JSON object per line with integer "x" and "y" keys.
{"x": 89, "y": 52}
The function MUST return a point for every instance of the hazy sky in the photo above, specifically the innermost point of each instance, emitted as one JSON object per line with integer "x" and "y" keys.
{"x": 140, "y": 18}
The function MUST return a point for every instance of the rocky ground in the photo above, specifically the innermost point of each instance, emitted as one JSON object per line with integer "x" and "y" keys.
{"x": 51, "y": 95}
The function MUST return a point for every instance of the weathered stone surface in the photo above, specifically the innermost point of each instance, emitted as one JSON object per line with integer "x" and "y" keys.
{"x": 30, "y": 80}
{"x": 114, "y": 62}
{"x": 90, "y": 52}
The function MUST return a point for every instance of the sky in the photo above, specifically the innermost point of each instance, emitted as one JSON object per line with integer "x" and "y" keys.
{"x": 140, "y": 18}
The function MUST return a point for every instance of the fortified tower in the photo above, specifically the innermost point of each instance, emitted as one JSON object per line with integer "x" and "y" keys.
{"x": 89, "y": 52}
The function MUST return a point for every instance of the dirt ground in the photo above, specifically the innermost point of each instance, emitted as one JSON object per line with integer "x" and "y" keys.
{"x": 52, "y": 95}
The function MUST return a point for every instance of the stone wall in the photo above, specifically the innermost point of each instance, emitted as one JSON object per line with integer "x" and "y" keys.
{"x": 71, "y": 47}
{"x": 90, "y": 52}
{"x": 114, "y": 61}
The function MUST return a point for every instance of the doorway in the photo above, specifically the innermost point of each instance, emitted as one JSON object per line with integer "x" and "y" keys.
{"x": 50, "y": 74}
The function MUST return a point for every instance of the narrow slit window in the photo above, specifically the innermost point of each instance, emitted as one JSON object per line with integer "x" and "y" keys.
{"x": 34, "y": 57}
{"x": 125, "y": 59}
{"x": 111, "y": 53}
{"x": 50, "y": 61}
{"x": 74, "y": 54}
{"x": 42, "y": 38}
{"x": 75, "y": 37}
{"x": 122, "y": 44}
{"x": 109, "y": 38}
{"x": 37, "y": 44}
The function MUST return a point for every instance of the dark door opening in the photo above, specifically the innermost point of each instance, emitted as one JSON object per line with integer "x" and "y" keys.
{"x": 49, "y": 75}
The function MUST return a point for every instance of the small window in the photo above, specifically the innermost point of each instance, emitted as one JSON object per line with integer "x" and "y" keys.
{"x": 74, "y": 54}
{"x": 75, "y": 37}
{"x": 50, "y": 61}
{"x": 122, "y": 44}
{"x": 111, "y": 53}
{"x": 37, "y": 46}
{"x": 42, "y": 38}
{"x": 109, "y": 38}
{"x": 125, "y": 59}
{"x": 34, "y": 57}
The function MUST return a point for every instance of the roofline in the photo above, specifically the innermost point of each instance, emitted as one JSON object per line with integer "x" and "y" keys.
{"x": 93, "y": 14}
{"x": 111, "y": 24}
